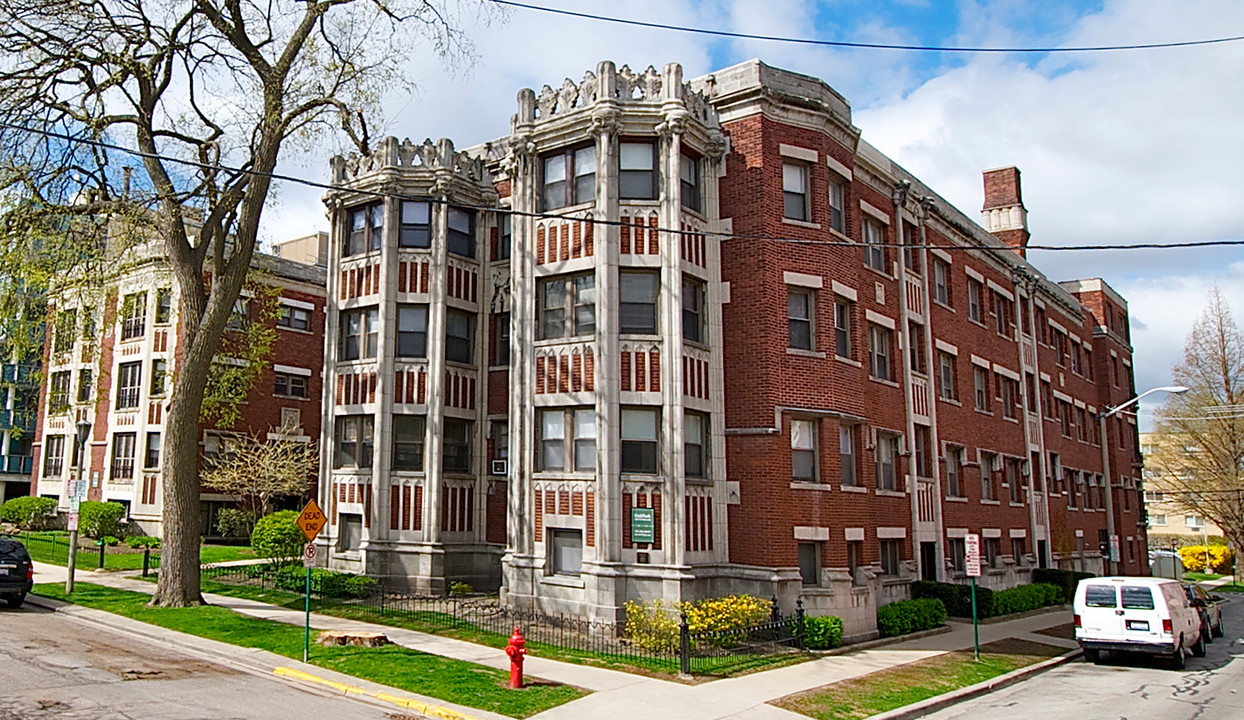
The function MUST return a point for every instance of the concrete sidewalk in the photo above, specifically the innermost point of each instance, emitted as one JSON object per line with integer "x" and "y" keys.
{"x": 625, "y": 696}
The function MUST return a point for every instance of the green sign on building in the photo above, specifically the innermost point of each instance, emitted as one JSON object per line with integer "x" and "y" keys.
{"x": 643, "y": 525}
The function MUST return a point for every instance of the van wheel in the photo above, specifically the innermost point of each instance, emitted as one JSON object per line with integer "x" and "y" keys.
{"x": 15, "y": 601}
{"x": 1093, "y": 656}
{"x": 1198, "y": 650}
{"x": 1177, "y": 659}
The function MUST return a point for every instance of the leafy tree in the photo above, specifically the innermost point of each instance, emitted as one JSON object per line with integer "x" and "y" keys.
{"x": 259, "y": 471}
{"x": 277, "y": 536}
{"x": 205, "y": 94}
{"x": 1199, "y": 451}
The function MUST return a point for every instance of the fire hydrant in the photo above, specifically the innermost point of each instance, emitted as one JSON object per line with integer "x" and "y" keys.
{"x": 516, "y": 650}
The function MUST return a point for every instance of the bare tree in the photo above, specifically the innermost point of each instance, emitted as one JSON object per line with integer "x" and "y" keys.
{"x": 259, "y": 471}
{"x": 205, "y": 93}
{"x": 1199, "y": 453}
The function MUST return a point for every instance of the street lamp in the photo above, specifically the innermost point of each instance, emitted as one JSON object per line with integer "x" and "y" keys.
{"x": 84, "y": 433}
{"x": 1105, "y": 463}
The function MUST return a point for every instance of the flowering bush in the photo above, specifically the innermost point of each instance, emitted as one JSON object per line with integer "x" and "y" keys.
{"x": 654, "y": 625}
{"x": 1220, "y": 558}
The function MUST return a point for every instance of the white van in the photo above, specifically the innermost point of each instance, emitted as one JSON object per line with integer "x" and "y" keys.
{"x": 1136, "y": 614}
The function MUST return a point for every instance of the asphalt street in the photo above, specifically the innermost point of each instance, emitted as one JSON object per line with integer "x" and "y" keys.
{"x": 52, "y": 667}
{"x": 1128, "y": 687}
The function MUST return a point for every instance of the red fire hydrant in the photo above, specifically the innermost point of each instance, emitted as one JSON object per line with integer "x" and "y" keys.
{"x": 516, "y": 650}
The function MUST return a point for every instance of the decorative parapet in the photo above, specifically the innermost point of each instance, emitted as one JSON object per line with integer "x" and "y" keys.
{"x": 614, "y": 86}
{"x": 392, "y": 154}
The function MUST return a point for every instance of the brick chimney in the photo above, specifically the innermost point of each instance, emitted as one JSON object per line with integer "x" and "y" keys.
{"x": 1004, "y": 214}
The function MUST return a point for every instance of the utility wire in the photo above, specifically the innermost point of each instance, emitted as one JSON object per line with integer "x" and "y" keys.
{"x": 863, "y": 45}
{"x": 597, "y": 221}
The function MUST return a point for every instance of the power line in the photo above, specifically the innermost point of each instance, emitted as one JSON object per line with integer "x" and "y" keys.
{"x": 863, "y": 45}
{"x": 597, "y": 221}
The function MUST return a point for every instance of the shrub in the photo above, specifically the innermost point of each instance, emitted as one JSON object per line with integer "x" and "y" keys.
{"x": 956, "y": 599}
{"x": 97, "y": 519}
{"x": 360, "y": 586}
{"x": 726, "y": 614}
{"x": 110, "y": 541}
{"x": 652, "y": 626}
{"x": 460, "y": 588}
{"x": 326, "y": 583}
{"x": 29, "y": 513}
{"x": 1194, "y": 557}
{"x": 906, "y": 616}
{"x": 142, "y": 541}
{"x": 232, "y": 522}
{"x": 1025, "y": 598}
{"x": 822, "y": 633}
{"x": 1066, "y": 580}
{"x": 277, "y": 536}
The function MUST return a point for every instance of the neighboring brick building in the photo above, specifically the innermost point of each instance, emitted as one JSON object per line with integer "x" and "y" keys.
{"x": 666, "y": 339}
{"x": 112, "y": 356}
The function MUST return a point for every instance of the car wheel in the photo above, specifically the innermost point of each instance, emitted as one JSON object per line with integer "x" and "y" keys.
{"x": 1198, "y": 649}
{"x": 1206, "y": 635}
{"x": 1093, "y": 656}
{"x": 15, "y": 601}
{"x": 1217, "y": 630}
{"x": 1177, "y": 658}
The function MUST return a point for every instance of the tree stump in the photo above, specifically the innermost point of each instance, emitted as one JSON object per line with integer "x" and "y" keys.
{"x": 330, "y": 638}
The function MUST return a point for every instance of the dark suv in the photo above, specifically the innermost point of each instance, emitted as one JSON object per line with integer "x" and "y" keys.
{"x": 17, "y": 573}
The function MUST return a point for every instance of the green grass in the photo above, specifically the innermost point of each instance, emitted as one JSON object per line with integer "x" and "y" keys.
{"x": 417, "y": 672}
{"x": 1198, "y": 577}
{"x": 867, "y": 695}
{"x": 53, "y": 548}
{"x": 1229, "y": 587}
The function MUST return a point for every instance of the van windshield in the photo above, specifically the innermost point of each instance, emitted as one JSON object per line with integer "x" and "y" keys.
{"x": 1099, "y": 596}
{"x": 1137, "y": 598}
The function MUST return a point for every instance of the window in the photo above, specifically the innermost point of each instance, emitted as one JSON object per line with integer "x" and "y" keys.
{"x": 240, "y": 316}
{"x": 459, "y": 336}
{"x": 53, "y": 455}
{"x": 842, "y": 328}
{"x": 565, "y": 551}
{"x": 461, "y": 239}
{"x": 886, "y": 460}
{"x": 941, "y": 281}
{"x": 953, "y": 462}
{"x": 947, "y": 376}
{"x": 1014, "y": 479}
{"x": 980, "y": 386}
{"x": 501, "y": 339}
{"x": 567, "y": 306}
{"x": 803, "y": 450}
{"x": 355, "y": 434}
{"x": 295, "y": 318}
{"x": 922, "y": 457}
{"x": 879, "y": 352}
{"x": 164, "y": 306}
{"x": 129, "y": 385}
{"x": 637, "y": 312}
{"x": 855, "y": 561}
{"x": 84, "y": 386}
{"x": 915, "y": 347}
{"x": 1008, "y": 392}
{"x": 695, "y": 444}
{"x": 988, "y": 488}
{"x": 795, "y": 191}
{"x": 500, "y": 439}
{"x": 569, "y": 177}
{"x": 505, "y": 241}
{"x": 1136, "y": 597}
{"x": 810, "y": 563}
{"x": 366, "y": 229}
{"x": 133, "y": 316}
{"x": 848, "y": 441}
{"x": 58, "y": 391}
{"x": 1004, "y": 309}
{"x": 350, "y": 527}
{"x": 290, "y": 385}
{"x": 690, "y": 188}
{"x": 416, "y": 227}
{"x": 637, "y": 170}
{"x": 799, "y": 318}
{"x": 1153, "y": 519}
{"x": 693, "y": 311}
{"x": 1100, "y": 596}
{"x": 122, "y": 456}
{"x": 1192, "y": 521}
{"x": 568, "y": 439}
{"x": 151, "y": 459}
{"x": 837, "y": 205}
{"x": 639, "y": 440}
{"x": 991, "y": 549}
{"x": 974, "y": 301}
{"x": 911, "y": 249}
{"x": 956, "y": 554}
{"x": 359, "y": 329}
{"x": 412, "y": 331}
{"x": 891, "y": 557}
{"x": 456, "y": 455}
{"x": 66, "y": 330}
{"x": 159, "y": 377}
{"x": 874, "y": 253}
{"x": 408, "y": 437}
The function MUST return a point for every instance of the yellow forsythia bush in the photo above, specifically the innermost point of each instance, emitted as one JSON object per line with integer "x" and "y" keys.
{"x": 1194, "y": 556}
{"x": 654, "y": 625}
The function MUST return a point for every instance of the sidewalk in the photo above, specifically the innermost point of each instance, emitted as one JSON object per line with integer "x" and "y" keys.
{"x": 625, "y": 696}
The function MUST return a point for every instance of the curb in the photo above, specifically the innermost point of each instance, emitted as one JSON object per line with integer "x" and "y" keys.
{"x": 933, "y": 704}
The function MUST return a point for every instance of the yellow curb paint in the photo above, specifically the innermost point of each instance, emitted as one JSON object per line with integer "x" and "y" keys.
{"x": 407, "y": 703}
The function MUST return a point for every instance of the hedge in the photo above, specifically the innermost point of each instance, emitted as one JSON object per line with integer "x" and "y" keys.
{"x": 99, "y": 519}
{"x": 1066, "y": 580}
{"x": 327, "y": 583}
{"x": 1025, "y": 598}
{"x": 822, "y": 632}
{"x": 908, "y": 616}
{"x": 29, "y": 512}
{"x": 277, "y": 536}
{"x": 956, "y": 598}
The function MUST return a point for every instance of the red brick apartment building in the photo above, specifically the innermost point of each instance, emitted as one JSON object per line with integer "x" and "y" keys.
{"x": 111, "y": 357}
{"x": 675, "y": 339}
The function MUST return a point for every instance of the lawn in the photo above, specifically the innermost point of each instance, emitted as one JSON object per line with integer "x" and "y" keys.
{"x": 53, "y": 548}
{"x": 1198, "y": 577}
{"x": 867, "y": 695}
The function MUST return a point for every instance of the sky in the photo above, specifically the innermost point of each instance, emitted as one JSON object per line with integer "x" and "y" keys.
{"x": 1114, "y": 147}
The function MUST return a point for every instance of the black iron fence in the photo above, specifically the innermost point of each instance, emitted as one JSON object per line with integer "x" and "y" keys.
{"x": 485, "y": 620}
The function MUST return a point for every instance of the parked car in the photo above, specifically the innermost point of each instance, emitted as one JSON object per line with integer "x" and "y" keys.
{"x": 1208, "y": 608}
{"x": 1137, "y": 615}
{"x": 17, "y": 573}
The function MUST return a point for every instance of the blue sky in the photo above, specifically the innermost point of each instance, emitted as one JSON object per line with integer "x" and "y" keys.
{"x": 1121, "y": 147}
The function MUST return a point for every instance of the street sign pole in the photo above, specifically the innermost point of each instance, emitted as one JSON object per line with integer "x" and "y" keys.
{"x": 310, "y": 521}
{"x": 972, "y": 560}
{"x": 976, "y": 631}
{"x": 306, "y": 625}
